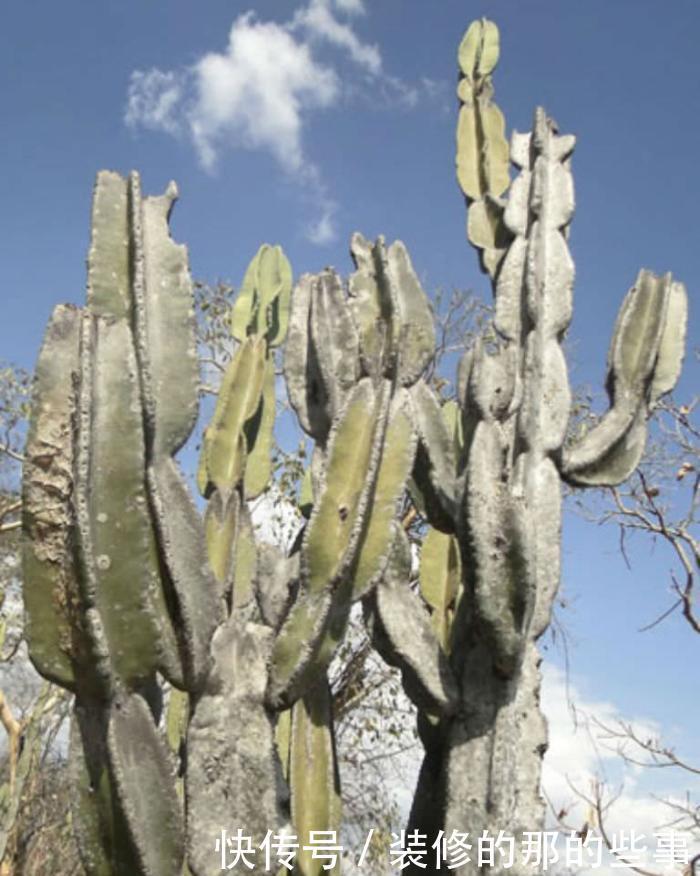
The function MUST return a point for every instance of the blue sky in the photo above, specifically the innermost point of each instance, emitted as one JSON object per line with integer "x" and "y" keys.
{"x": 354, "y": 130}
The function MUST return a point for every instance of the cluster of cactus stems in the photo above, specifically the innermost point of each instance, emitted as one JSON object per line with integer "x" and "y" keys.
{"x": 125, "y": 584}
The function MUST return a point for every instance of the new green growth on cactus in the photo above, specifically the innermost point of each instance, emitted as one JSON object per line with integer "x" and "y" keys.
{"x": 126, "y": 585}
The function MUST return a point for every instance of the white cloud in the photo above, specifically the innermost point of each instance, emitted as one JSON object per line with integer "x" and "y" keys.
{"x": 351, "y": 7}
{"x": 260, "y": 91}
{"x": 323, "y": 229}
{"x": 318, "y": 21}
{"x": 153, "y": 100}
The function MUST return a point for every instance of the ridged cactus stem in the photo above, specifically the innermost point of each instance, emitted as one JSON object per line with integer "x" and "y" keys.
{"x": 482, "y": 765}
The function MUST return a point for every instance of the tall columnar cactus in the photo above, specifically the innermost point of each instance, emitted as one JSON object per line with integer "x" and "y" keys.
{"x": 482, "y": 766}
{"x": 116, "y": 583}
{"x": 124, "y": 584}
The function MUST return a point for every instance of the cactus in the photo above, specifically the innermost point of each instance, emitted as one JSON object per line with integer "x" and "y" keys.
{"x": 482, "y": 148}
{"x": 124, "y": 582}
{"x": 482, "y": 765}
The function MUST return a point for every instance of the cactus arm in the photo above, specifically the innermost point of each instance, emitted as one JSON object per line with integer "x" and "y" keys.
{"x": 434, "y": 471}
{"x": 313, "y": 774}
{"x": 402, "y": 633}
{"x": 164, "y": 324}
{"x": 239, "y": 399}
{"x": 109, "y": 268}
{"x": 369, "y": 309}
{"x": 198, "y": 599}
{"x": 334, "y": 527}
{"x": 395, "y": 324}
{"x": 221, "y": 526}
{"x": 128, "y": 595}
{"x": 394, "y": 469}
{"x": 415, "y": 332}
{"x": 49, "y": 589}
{"x": 260, "y": 437}
{"x": 672, "y": 343}
{"x": 334, "y": 339}
{"x": 302, "y": 373}
{"x": 331, "y": 540}
{"x": 86, "y": 560}
{"x": 644, "y": 362}
{"x": 142, "y": 775}
{"x": 440, "y": 575}
{"x": 482, "y": 149}
{"x": 262, "y": 304}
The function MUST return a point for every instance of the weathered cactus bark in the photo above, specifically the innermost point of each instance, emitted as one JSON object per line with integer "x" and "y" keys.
{"x": 124, "y": 583}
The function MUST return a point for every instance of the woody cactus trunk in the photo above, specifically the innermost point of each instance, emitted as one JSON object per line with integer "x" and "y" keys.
{"x": 129, "y": 591}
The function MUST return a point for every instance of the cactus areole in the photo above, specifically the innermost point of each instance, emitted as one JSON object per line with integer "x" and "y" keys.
{"x": 125, "y": 584}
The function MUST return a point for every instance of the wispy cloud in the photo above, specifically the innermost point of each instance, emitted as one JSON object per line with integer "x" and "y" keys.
{"x": 259, "y": 92}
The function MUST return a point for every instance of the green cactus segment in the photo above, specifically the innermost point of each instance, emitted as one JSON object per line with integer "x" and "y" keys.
{"x": 260, "y": 437}
{"x": 233, "y": 774}
{"x": 498, "y": 599}
{"x": 487, "y": 231}
{"x": 316, "y": 623}
{"x": 394, "y": 470}
{"x": 195, "y": 591}
{"x": 49, "y": 588}
{"x": 99, "y": 826}
{"x": 109, "y": 269}
{"x": 313, "y": 775}
{"x": 125, "y": 562}
{"x": 239, "y": 398}
{"x": 165, "y": 326}
{"x": 644, "y": 361}
{"x": 435, "y": 468}
{"x": 479, "y": 50}
{"x": 402, "y": 633}
{"x": 334, "y": 522}
{"x": 262, "y": 304}
{"x": 295, "y": 663}
{"x": 482, "y": 149}
{"x": 440, "y": 580}
{"x": 142, "y": 775}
